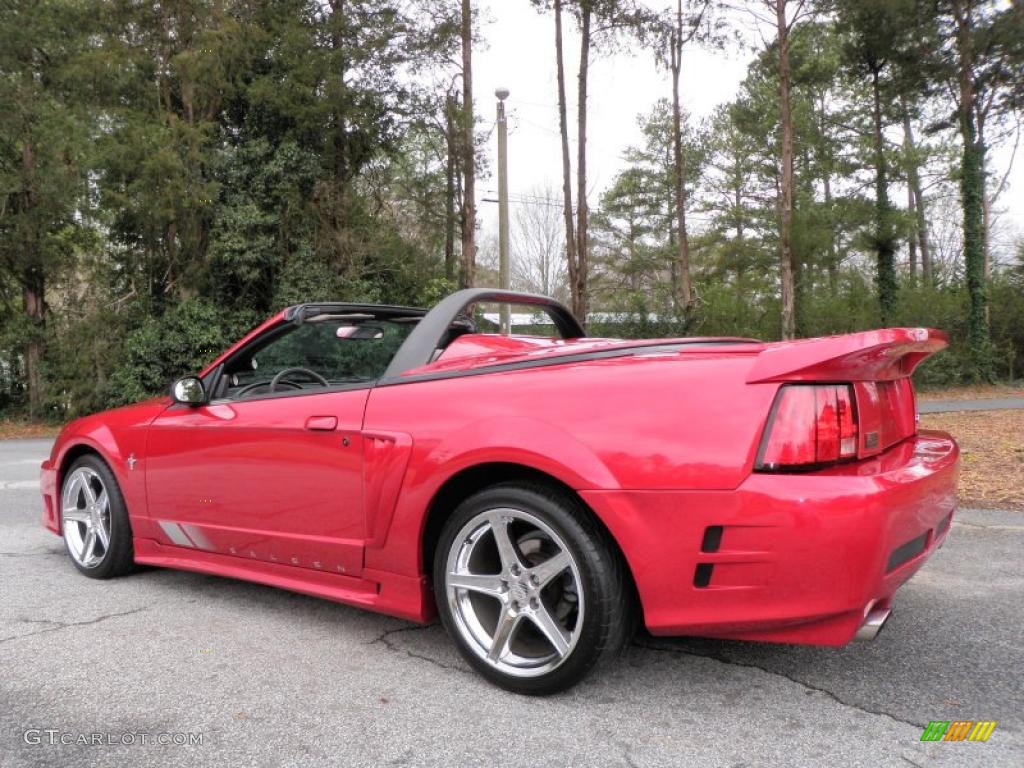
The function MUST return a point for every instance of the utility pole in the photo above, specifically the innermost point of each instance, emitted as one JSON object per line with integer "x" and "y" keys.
{"x": 503, "y": 270}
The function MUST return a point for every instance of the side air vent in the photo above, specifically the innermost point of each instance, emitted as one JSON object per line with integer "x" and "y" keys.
{"x": 702, "y": 576}
{"x": 712, "y": 539}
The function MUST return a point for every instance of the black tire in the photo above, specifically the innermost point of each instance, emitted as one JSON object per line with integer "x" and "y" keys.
{"x": 606, "y": 622}
{"x": 118, "y": 558}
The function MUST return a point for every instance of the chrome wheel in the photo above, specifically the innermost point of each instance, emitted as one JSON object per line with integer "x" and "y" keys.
{"x": 85, "y": 511}
{"x": 514, "y": 591}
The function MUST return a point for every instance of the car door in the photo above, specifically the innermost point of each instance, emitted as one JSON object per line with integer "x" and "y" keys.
{"x": 271, "y": 474}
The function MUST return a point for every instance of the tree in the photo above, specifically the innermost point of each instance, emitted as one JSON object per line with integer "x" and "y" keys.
{"x": 632, "y": 255}
{"x": 538, "y": 245}
{"x": 740, "y": 234}
{"x": 644, "y": 198}
{"x": 878, "y": 33}
{"x": 977, "y": 65}
{"x": 42, "y": 167}
{"x": 576, "y": 268}
{"x": 972, "y": 180}
{"x": 786, "y": 14}
{"x": 683, "y": 29}
{"x": 596, "y": 20}
{"x": 468, "y": 275}
{"x": 919, "y": 239}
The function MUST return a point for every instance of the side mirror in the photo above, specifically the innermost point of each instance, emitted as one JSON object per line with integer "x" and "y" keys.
{"x": 189, "y": 390}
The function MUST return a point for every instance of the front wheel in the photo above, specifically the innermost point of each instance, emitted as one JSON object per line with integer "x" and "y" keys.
{"x": 529, "y": 588}
{"x": 94, "y": 520}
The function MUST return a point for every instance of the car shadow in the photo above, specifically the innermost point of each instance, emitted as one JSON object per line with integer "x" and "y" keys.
{"x": 904, "y": 674}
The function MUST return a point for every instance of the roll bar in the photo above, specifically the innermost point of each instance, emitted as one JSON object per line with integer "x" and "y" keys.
{"x": 419, "y": 346}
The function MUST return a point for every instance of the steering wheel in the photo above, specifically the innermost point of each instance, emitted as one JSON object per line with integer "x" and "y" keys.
{"x": 256, "y": 385}
{"x": 311, "y": 374}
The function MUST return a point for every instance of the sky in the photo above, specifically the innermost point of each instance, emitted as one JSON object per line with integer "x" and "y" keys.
{"x": 518, "y": 53}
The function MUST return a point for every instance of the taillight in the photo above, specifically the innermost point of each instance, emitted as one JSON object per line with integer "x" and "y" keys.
{"x": 886, "y": 413}
{"x": 810, "y": 426}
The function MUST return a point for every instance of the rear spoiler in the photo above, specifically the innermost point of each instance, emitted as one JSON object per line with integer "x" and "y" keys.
{"x": 886, "y": 354}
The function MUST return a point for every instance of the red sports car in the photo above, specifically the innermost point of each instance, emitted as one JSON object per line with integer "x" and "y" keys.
{"x": 536, "y": 492}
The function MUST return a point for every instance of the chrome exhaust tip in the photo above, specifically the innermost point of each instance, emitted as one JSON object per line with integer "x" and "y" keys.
{"x": 873, "y": 624}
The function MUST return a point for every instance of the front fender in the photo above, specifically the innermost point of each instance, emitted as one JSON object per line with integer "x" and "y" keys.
{"x": 116, "y": 436}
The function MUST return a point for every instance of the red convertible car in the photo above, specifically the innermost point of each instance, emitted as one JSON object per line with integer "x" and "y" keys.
{"x": 539, "y": 493}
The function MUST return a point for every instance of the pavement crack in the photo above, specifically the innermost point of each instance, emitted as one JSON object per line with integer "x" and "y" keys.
{"x": 842, "y": 702}
{"x": 385, "y": 639}
{"x": 56, "y": 626}
{"x": 907, "y": 759}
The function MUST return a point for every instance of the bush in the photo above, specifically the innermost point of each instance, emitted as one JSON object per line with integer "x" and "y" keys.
{"x": 182, "y": 341}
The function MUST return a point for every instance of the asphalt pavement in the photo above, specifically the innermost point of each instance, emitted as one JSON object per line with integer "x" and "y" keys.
{"x": 990, "y": 404}
{"x": 263, "y": 677}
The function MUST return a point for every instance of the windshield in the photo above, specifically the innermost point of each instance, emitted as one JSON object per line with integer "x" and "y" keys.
{"x": 323, "y": 351}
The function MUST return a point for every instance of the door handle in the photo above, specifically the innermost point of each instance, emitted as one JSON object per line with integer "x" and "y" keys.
{"x": 322, "y": 423}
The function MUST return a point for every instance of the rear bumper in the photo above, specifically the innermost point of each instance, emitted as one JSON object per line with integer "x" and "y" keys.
{"x": 799, "y": 558}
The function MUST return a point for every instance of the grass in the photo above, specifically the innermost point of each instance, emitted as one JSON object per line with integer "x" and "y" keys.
{"x": 991, "y": 455}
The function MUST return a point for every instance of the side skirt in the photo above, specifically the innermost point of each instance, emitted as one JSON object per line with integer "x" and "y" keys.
{"x": 381, "y": 591}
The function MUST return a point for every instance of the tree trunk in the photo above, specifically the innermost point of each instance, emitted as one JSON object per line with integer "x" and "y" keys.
{"x": 910, "y": 161}
{"x": 916, "y": 199}
{"x": 563, "y": 126}
{"x": 582, "y": 246}
{"x": 972, "y": 192}
{"x": 884, "y": 239}
{"x": 467, "y": 276}
{"x": 986, "y": 201}
{"x": 33, "y": 292}
{"x": 923, "y": 239}
{"x": 32, "y": 279}
{"x": 449, "y": 187}
{"x": 786, "y": 192}
{"x": 832, "y": 268}
{"x": 912, "y": 239}
{"x": 986, "y": 218}
{"x": 339, "y": 139}
{"x": 685, "y": 295}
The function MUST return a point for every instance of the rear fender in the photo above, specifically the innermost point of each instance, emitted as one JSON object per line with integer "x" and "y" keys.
{"x": 519, "y": 440}
{"x": 527, "y": 442}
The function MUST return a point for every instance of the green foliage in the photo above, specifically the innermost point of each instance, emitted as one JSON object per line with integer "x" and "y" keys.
{"x": 182, "y": 340}
{"x": 171, "y": 173}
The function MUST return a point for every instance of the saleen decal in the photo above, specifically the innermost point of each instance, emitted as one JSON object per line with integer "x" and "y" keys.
{"x": 185, "y": 535}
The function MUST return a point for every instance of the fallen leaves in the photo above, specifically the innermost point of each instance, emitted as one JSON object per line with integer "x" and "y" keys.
{"x": 11, "y": 429}
{"x": 992, "y": 455}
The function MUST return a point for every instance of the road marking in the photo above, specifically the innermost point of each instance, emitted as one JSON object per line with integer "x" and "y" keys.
{"x": 18, "y": 485}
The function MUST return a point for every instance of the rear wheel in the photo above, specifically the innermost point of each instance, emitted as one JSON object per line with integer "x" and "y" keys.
{"x": 529, "y": 588}
{"x": 94, "y": 520}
